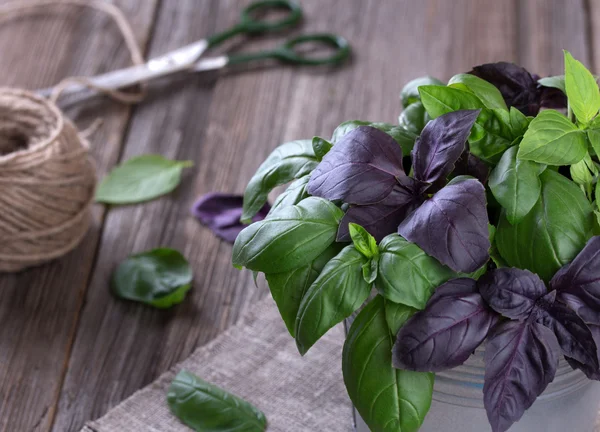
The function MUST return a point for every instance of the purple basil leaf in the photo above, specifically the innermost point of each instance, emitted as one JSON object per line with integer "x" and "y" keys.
{"x": 452, "y": 226}
{"x": 221, "y": 213}
{"x": 443, "y": 335}
{"x": 574, "y": 337}
{"x": 511, "y": 292}
{"x": 581, "y": 277}
{"x": 382, "y": 218}
{"x": 362, "y": 168}
{"x": 441, "y": 143}
{"x": 520, "y": 362}
{"x": 471, "y": 165}
{"x": 552, "y": 98}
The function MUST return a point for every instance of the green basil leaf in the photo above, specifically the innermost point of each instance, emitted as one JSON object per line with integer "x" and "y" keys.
{"x": 557, "y": 82}
{"x": 519, "y": 122}
{"x": 414, "y": 118}
{"x": 397, "y": 314}
{"x": 584, "y": 171}
{"x": 552, "y": 233}
{"x": 410, "y": 92}
{"x": 403, "y": 137}
{"x": 160, "y": 278}
{"x": 440, "y": 100}
{"x": 141, "y": 178}
{"x": 582, "y": 90}
{"x": 594, "y": 138}
{"x": 552, "y": 139}
{"x": 387, "y": 399}
{"x": 485, "y": 91}
{"x": 370, "y": 270}
{"x": 364, "y": 242}
{"x": 407, "y": 275}
{"x": 321, "y": 147}
{"x": 294, "y": 193}
{"x": 205, "y": 407}
{"x": 339, "y": 290}
{"x": 491, "y": 135}
{"x": 288, "y": 288}
{"x": 287, "y": 162}
{"x": 515, "y": 184}
{"x": 289, "y": 239}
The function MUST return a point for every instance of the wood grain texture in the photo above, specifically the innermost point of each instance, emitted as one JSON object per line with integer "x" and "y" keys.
{"x": 40, "y": 307}
{"x": 228, "y": 125}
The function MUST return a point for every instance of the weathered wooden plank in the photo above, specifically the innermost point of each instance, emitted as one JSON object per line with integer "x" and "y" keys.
{"x": 228, "y": 128}
{"x": 40, "y": 307}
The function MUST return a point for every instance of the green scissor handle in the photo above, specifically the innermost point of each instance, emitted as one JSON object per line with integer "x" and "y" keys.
{"x": 286, "y": 52}
{"x": 251, "y": 25}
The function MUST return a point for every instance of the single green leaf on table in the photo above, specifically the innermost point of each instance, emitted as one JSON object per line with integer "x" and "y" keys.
{"x": 414, "y": 118}
{"x": 397, "y": 314}
{"x": 515, "y": 184}
{"x": 205, "y": 407}
{"x": 364, "y": 242}
{"x": 321, "y": 147}
{"x": 407, "y": 275}
{"x": 403, "y": 137}
{"x": 288, "y": 288}
{"x": 410, "y": 92}
{"x": 582, "y": 90}
{"x": 553, "y": 140}
{"x": 289, "y": 239}
{"x": 160, "y": 278}
{"x": 294, "y": 193}
{"x": 552, "y": 233}
{"x": 485, "y": 91}
{"x": 141, "y": 178}
{"x": 387, "y": 399}
{"x": 287, "y": 162}
{"x": 339, "y": 291}
{"x": 557, "y": 82}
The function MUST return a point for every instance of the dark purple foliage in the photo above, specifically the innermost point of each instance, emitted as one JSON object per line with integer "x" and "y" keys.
{"x": 520, "y": 362}
{"x": 443, "y": 335}
{"x": 511, "y": 292}
{"x": 452, "y": 226}
{"x": 362, "y": 168}
{"x": 520, "y": 88}
{"x": 471, "y": 165}
{"x": 221, "y": 213}
{"x": 440, "y": 144}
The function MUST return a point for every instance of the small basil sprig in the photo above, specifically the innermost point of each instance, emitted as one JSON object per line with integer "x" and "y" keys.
{"x": 141, "y": 178}
{"x": 160, "y": 278}
{"x": 205, "y": 407}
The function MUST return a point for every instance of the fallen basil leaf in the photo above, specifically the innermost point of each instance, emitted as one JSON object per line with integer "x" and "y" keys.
{"x": 288, "y": 288}
{"x": 414, "y": 118}
{"x": 294, "y": 193}
{"x": 452, "y": 226}
{"x": 552, "y": 139}
{"x": 289, "y": 239}
{"x": 511, "y": 292}
{"x": 520, "y": 362}
{"x": 387, "y": 399}
{"x": 410, "y": 92}
{"x": 363, "y": 241}
{"x": 515, "y": 184}
{"x": 160, "y": 278}
{"x": 455, "y": 321}
{"x": 582, "y": 90}
{"x": 141, "y": 178}
{"x": 485, "y": 91}
{"x": 440, "y": 145}
{"x": 396, "y": 315}
{"x": 205, "y": 407}
{"x": 407, "y": 275}
{"x": 339, "y": 291}
{"x": 552, "y": 233}
{"x": 362, "y": 168}
{"x": 287, "y": 162}
{"x": 221, "y": 213}
{"x": 321, "y": 147}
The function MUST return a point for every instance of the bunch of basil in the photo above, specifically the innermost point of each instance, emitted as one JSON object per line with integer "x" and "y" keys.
{"x": 473, "y": 218}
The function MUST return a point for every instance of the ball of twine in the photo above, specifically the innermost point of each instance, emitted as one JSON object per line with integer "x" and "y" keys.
{"x": 47, "y": 181}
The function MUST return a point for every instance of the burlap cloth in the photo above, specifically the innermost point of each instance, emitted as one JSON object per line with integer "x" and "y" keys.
{"x": 258, "y": 361}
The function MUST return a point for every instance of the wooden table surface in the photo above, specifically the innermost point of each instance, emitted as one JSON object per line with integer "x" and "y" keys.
{"x": 69, "y": 350}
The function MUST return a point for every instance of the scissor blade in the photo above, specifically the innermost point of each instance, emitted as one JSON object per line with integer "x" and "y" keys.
{"x": 211, "y": 64}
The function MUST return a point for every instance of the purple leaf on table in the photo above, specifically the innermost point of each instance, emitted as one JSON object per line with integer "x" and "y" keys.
{"x": 221, "y": 213}
{"x": 455, "y": 321}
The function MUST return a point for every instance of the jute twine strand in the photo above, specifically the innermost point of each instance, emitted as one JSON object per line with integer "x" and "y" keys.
{"x": 47, "y": 178}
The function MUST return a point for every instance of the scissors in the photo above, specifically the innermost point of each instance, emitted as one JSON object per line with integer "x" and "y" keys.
{"x": 188, "y": 57}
